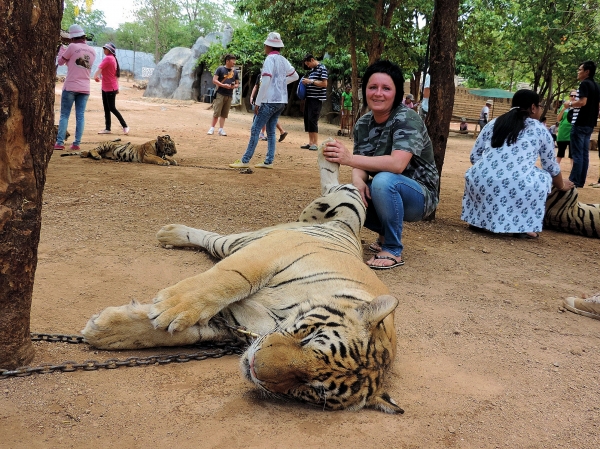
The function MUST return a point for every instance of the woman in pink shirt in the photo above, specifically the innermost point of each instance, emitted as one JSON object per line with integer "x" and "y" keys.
{"x": 110, "y": 71}
{"x": 79, "y": 58}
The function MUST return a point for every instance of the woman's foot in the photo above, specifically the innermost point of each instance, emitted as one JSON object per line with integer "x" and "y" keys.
{"x": 376, "y": 246}
{"x": 384, "y": 261}
{"x": 527, "y": 235}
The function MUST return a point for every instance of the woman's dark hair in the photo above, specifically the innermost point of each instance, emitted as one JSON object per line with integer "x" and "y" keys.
{"x": 118, "y": 68}
{"x": 394, "y": 72}
{"x": 508, "y": 126}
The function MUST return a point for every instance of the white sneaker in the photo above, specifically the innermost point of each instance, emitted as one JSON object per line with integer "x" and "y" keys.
{"x": 211, "y": 131}
{"x": 263, "y": 165}
{"x": 239, "y": 164}
{"x": 104, "y": 131}
{"x": 222, "y": 132}
{"x": 126, "y": 130}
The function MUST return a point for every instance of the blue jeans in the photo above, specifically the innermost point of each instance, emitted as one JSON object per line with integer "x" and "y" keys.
{"x": 580, "y": 152}
{"x": 394, "y": 200}
{"x": 268, "y": 114}
{"x": 66, "y": 103}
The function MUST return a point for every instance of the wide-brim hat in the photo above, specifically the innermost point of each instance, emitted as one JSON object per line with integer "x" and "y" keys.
{"x": 489, "y": 102}
{"x": 410, "y": 96}
{"x": 111, "y": 47}
{"x": 76, "y": 31}
{"x": 274, "y": 40}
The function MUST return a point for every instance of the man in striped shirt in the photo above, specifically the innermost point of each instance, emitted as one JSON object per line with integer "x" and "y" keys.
{"x": 316, "y": 94}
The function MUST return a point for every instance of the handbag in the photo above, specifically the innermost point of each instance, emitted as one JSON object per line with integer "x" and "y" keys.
{"x": 301, "y": 91}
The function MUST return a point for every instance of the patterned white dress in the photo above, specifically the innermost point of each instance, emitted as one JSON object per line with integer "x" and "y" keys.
{"x": 504, "y": 190}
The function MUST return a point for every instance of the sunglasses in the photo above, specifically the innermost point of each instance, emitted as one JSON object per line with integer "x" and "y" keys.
{"x": 572, "y": 95}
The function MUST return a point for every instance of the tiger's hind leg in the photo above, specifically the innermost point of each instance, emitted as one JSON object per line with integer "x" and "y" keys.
{"x": 329, "y": 171}
{"x": 217, "y": 245}
{"x": 340, "y": 203}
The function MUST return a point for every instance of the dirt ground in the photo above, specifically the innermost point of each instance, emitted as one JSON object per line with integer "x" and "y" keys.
{"x": 486, "y": 357}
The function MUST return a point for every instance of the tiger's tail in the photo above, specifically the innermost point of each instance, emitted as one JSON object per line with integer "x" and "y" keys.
{"x": 72, "y": 153}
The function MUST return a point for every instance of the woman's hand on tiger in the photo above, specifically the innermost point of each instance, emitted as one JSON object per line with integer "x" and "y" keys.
{"x": 335, "y": 151}
{"x": 363, "y": 188}
{"x": 567, "y": 185}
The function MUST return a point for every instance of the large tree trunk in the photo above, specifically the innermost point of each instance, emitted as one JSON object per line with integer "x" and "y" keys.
{"x": 444, "y": 28}
{"x": 29, "y": 30}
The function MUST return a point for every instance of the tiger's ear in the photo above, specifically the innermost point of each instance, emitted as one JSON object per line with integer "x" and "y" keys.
{"x": 383, "y": 402}
{"x": 375, "y": 312}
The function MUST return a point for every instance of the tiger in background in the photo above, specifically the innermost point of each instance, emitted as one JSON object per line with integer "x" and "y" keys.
{"x": 565, "y": 213}
{"x": 67, "y": 134}
{"x": 326, "y": 321}
{"x": 159, "y": 151}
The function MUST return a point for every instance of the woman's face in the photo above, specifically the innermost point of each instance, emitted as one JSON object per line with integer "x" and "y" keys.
{"x": 381, "y": 93}
{"x": 536, "y": 112}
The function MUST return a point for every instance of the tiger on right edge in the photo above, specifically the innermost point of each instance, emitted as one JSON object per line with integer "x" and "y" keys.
{"x": 565, "y": 213}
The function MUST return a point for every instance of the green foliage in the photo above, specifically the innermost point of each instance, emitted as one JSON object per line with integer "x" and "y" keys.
{"x": 503, "y": 42}
{"x": 92, "y": 21}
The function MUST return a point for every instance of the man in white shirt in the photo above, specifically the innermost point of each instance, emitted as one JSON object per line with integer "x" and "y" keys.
{"x": 276, "y": 74}
{"x": 484, "y": 115}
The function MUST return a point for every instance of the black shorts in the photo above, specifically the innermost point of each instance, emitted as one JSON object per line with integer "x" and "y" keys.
{"x": 562, "y": 146}
{"x": 312, "y": 111}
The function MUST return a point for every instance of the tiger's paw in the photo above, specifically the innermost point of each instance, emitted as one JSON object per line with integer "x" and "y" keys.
{"x": 128, "y": 327}
{"x": 175, "y": 235}
{"x": 177, "y": 308}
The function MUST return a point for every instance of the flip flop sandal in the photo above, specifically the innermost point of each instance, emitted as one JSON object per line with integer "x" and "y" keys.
{"x": 397, "y": 263}
{"x": 283, "y": 136}
{"x": 375, "y": 247}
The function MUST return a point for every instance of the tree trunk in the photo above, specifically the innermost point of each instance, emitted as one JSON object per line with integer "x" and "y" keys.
{"x": 444, "y": 29}
{"x": 384, "y": 11}
{"x": 29, "y": 30}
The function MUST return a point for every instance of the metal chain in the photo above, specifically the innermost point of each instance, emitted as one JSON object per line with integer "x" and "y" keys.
{"x": 206, "y": 350}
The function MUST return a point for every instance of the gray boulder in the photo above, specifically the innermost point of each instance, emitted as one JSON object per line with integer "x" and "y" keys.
{"x": 167, "y": 74}
{"x": 188, "y": 89}
{"x": 176, "y": 75}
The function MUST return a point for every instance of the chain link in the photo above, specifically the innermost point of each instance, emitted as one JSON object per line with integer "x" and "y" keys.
{"x": 205, "y": 351}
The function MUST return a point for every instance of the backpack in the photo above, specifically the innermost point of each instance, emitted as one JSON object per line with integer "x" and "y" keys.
{"x": 301, "y": 91}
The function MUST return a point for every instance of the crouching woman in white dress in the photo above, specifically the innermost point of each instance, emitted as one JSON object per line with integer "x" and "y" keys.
{"x": 504, "y": 190}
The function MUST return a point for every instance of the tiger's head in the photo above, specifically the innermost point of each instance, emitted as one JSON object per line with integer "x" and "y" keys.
{"x": 331, "y": 354}
{"x": 165, "y": 146}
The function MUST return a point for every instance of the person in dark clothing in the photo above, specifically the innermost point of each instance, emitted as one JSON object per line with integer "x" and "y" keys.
{"x": 585, "y": 115}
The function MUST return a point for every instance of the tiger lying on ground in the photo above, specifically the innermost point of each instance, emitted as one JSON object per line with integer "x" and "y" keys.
{"x": 566, "y": 214}
{"x": 159, "y": 151}
{"x": 326, "y": 321}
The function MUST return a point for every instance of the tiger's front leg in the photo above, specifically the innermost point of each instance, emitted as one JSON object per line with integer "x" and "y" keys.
{"x": 171, "y": 160}
{"x": 151, "y": 159}
{"x": 199, "y": 298}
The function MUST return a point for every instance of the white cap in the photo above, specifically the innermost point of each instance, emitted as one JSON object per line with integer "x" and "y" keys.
{"x": 274, "y": 40}
{"x": 76, "y": 31}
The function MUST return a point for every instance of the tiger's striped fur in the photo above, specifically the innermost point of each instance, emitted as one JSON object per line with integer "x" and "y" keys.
{"x": 159, "y": 151}
{"x": 565, "y": 213}
{"x": 326, "y": 321}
